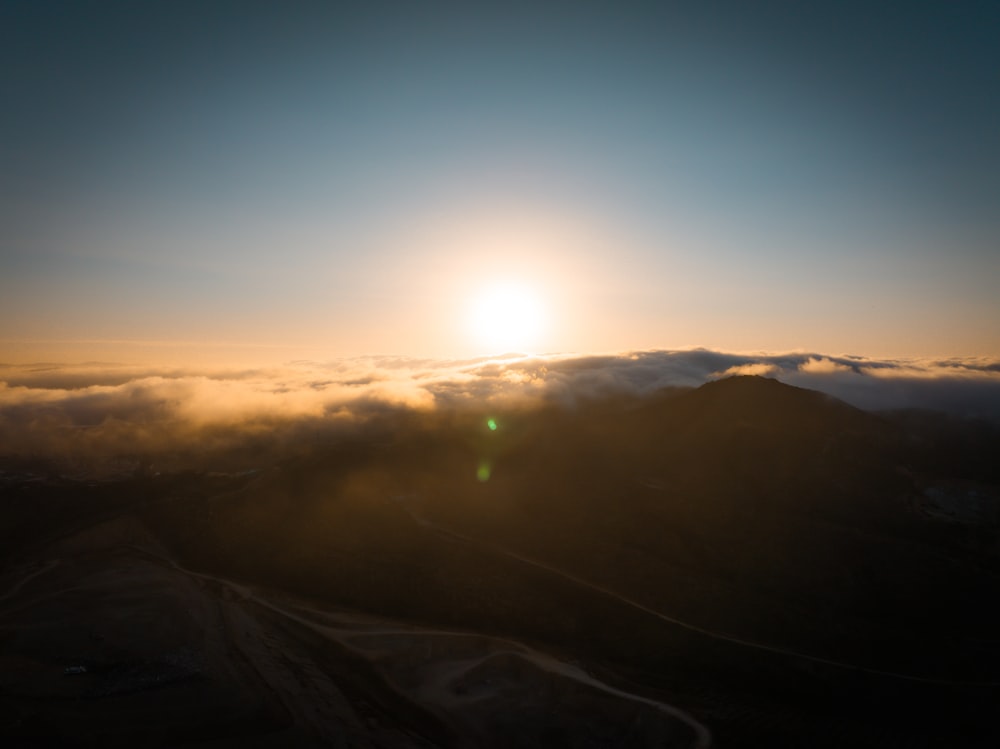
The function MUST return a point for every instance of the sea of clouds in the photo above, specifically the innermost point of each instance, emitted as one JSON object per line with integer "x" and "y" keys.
{"x": 81, "y": 410}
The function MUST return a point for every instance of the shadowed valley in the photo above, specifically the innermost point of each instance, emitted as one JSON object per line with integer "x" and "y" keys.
{"x": 742, "y": 564}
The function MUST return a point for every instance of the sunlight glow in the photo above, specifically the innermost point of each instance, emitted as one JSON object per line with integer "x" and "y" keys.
{"x": 507, "y": 316}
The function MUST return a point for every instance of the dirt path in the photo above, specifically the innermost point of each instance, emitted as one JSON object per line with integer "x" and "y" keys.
{"x": 344, "y": 629}
{"x": 16, "y": 588}
{"x": 714, "y": 634}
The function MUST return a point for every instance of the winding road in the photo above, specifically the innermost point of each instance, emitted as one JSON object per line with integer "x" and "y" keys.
{"x": 343, "y": 635}
{"x": 713, "y": 634}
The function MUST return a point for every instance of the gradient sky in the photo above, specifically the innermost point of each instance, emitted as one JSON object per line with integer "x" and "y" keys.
{"x": 329, "y": 179}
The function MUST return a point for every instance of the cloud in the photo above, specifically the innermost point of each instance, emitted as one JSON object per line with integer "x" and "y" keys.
{"x": 83, "y": 412}
{"x": 821, "y": 365}
{"x": 761, "y": 369}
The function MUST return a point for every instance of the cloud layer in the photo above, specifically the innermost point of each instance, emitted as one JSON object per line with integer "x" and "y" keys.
{"x": 84, "y": 412}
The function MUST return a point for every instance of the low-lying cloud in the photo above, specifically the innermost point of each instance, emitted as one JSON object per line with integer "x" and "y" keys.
{"x": 83, "y": 411}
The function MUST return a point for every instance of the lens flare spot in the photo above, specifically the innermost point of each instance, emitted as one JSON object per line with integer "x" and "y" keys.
{"x": 484, "y": 471}
{"x": 491, "y": 424}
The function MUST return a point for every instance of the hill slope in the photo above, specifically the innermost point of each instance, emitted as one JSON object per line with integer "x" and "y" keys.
{"x": 766, "y": 561}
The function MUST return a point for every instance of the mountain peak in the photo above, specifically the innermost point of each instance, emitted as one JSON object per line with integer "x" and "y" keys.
{"x": 767, "y": 401}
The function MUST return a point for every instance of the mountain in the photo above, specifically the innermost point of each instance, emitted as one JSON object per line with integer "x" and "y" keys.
{"x": 741, "y": 564}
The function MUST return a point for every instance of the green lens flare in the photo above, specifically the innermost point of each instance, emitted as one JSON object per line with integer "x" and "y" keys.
{"x": 492, "y": 424}
{"x": 483, "y": 472}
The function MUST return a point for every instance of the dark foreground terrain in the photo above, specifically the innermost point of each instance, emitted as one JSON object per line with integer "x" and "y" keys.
{"x": 745, "y": 564}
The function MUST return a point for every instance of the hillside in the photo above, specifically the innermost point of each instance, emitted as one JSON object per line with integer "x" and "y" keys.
{"x": 767, "y": 560}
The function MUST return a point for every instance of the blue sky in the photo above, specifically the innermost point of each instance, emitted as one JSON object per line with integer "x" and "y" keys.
{"x": 348, "y": 179}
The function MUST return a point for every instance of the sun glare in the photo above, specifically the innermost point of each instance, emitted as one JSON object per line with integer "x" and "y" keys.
{"x": 506, "y": 317}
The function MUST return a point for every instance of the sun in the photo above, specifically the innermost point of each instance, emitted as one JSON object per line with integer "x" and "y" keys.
{"x": 507, "y": 316}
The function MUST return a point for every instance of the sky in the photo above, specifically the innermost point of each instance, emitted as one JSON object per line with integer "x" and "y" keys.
{"x": 184, "y": 182}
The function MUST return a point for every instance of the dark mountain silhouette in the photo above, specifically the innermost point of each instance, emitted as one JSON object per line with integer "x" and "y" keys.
{"x": 779, "y": 566}
{"x": 765, "y": 401}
